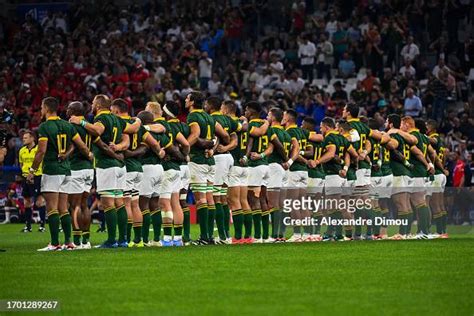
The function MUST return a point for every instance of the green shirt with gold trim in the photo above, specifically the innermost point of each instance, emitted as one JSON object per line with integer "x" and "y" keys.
{"x": 277, "y": 131}
{"x": 133, "y": 164}
{"x": 376, "y": 156}
{"x": 207, "y": 127}
{"x": 341, "y": 145}
{"x": 59, "y": 135}
{"x": 239, "y": 151}
{"x": 302, "y": 137}
{"x": 113, "y": 129}
{"x": 260, "y": 144}
{"x": 440, "y": 150}
{"x": 398, "y": 168}
{"x": 228, "y": 124}
{"x": 317, "y": 172}
{"x": 364, "y": 133}
{"x": 78, "y": 160}
{"x": 419, "y": 170}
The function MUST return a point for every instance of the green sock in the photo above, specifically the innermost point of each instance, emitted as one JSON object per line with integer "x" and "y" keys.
{"x": 238, "y": 217}
{"x": 111, "y": 222}
{"x": 53, "y": 223}
{"x": 376, "y": 228}
{"x": 203, "y": 215}
{"x": 178, "y": 230}
{"x": 67, "y": 227}
{"x": 122, "y": 223}
{"x": 338, "y": 228}
{"x": 369, "y": 215}
{"x": 317, "y": 225}
{"x": 225, "y": 207}
{"x": 76, "y": 236}
{"x": 211, "y": 218}
{"x": 129, "y": 229}
{"x": 156, "y": 221}
{"x": 410, "y": 217}
{"x": 402, "y": 230}
{"x": 266, "y": 224}
{"x": 438, "y": 220}
{"x": 85, "y": 236}
{"x": 137, "y": 232}
{"x": 257, "y": 223}
{"x": 445, "y": 221}
{"x": 186, "y": 224}
{"x": 358, "y": 214}
{"x": 424, "y": 215}
{"x": 220, "y": 221}
{"x": 248, "y": 223}
{"x": 348, "y": 232}
{"x": 276, "y": 218}
{"x": 146, "y": 225}
{"x": 167, "y": 230}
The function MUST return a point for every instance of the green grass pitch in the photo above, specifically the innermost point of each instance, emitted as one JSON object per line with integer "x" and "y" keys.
{"x": 413, "y": 277}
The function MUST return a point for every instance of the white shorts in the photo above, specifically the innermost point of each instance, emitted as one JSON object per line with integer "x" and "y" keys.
{"x": 333, "y": 184}
{"x": 201, "y": 173}
{"x": 363, "y": 177}
{"x": 223, "y": 164}
{"x": 385, "y": 189}
{"x": 113, "y": 178}
{"x": 401, "y": 184}
{"x": 55, "y": 183}
{"x": 238, "y": 176}
{"x": 298, "y": 179}
{"x": 439, "y": 183}
{"x": 171, "y": 183}
{"x": 276, "y": 174}
{"x": 418, "y": 185}
{"x": 152, "y": 178}
{"x": 81, "y": 181}
{"x": 184, "y": 175}
{"x": 315, "y": 185}
{"x": 348, "y": 188}
{"x": 134, "y": 180}
{"x": 257, "y": 176}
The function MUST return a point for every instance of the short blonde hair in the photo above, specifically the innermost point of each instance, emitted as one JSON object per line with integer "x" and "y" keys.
{"x": 102, "y": 101}
{"x": 154, "y": 107}
{"x": 409, "y": 121}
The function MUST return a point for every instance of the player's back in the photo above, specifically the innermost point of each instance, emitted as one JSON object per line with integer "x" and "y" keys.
{"x": 78, "y": 160}
{"x": 113, "y": 129}
{"x": 260, "y": 144}
{"x": 285, "y": 140}
{"x": 207, "y": 127}
{"x": 302, "y": 138}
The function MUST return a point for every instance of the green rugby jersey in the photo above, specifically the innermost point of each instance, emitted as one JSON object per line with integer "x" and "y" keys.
{"x": 78, "y": 160}
{"x": 419, "y": 170}
{"x": 440, "y": 150}
{"x": 172, "y": 133}
{"x": 260, "y": 144}
{"x": 386, "y": 166}
{"x": 317, "y": 172}
{"x": 375, "y": 157}
{"x": 113, "y": 131}
{"x": 228, "y": 124}
{"x": 59, "y": 135}
{"x": 351, "y": 172}
{"x": 398, "y": 168}
{"x": 333, "y": 138}
{"x": 150, "y": 157}
{"x": 133, "y": 164}
{"x": 364, "y": 133}
{"x": 207, "y": 127}
{"x": 177, "y": 127}
{"x": 239, "y": 151}
{"x": 277, "y": 131}
{"x": 302, "y": 137}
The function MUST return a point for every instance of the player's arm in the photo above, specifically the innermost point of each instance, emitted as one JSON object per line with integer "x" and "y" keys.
{"x": 259, "y": 131}
{"x": 107, "y": 150}
{"x": 328, "y": 154}
{"x": 421, "y": 158}
{"x": 76, "y": 139}
{"x": 352, "y": 152}
{"x": 222, "y": 134}
{"x": 150, "y": 141}
{"x": 295, "y": 151}
{"x": 232, "y": 144}
{"x": 266, "y": 153}
{"x": 434, "y": 158}
{"x": 367, "y": 148}
{"x": 409, "y": 138}
{"x": 174, "y": 152}
{"x": 278, "y": 147}
{"x": 95, "y": 129}
{"x": 68, "y": 153}
{"x": 309, "y": 152}
{"x": 315, "y": 137}
{"x": 183, "y": 142}
{"x": 132, "y": 128}
{"x": 347, "y": 163}
{"x": 155, "y": 128}
{"x": 42, "y": 146}
{"x": 123, "y": 145}
{"x": 138, "y": 152}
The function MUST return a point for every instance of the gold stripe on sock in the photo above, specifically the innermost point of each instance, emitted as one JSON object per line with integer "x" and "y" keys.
{"x": 212, "y": 207}
{"x": 436, "y": 216}
{"x": 123, "y": 205}
{"x": 85, "y": 232}
{"x": 129, "y": 221}
{"x": 77, "y": 233}
{"x": 108, "y": 209}
{"x": 239, "y": 212}
{"x": 185, "y": 209}
{"x": 178, "y": 225}
{"x": 167, "y": 225}
{"x": 154, "y": 212}
{"x": 201, "y": 206}
{"x": 144, "y": 212}
{"x": 62, "y": 215}
{"x": 247, "y": 212}
{"x": 52, "y": 212}
{"x": 257, "y": 212}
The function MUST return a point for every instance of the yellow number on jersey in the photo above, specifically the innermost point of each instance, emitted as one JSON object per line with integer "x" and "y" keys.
{"x": 243, "y": 141}
{"x": 376, "y": 154}
{"x": 406, "y": 151}
{"x": 88, "y": 141}
{"x": 62, "y": 143}
{"x": 286, "y": 146}
{"x": 262, "y": 143}
{"x": 363, "y": 137}
{"x": 425, "y": 149}
{"x": 134, "y": 141}
{"x": 341, "y": 151}
{"x": 208, "y": 136}
{"x": 386, "y": 155}
{"x": 114, "y": 132}
{"x": 317, "y": 153}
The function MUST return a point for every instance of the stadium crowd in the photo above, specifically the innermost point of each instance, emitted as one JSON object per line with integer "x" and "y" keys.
{"x": 405, "y": 57}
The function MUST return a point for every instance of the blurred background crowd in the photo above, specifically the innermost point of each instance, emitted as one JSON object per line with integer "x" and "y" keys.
{"x": 412, "y": 57}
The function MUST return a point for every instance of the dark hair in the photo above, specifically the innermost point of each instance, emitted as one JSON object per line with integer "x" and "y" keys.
{"x": 353, "y": 109}
{"x": 420, "y": 124}
{"x": 173, "y": 107}
{"x": 277, "y": 113}
{"x": 146, "y": 117}
{"x": 310, "y": 120}
{"x": 254, "y": 106}
{"x": 432, "y": 124}
{"x": 292, "y": 113}
{"x": 198, "y": 99}
{"x": 395, "y": 120}
{"x": 76, "y": 108}
{"x": 329, "y": 122}
{"x": 103, "y": 101}
{"x": 214, "y": 102}
{"x": 364, "y": 119}
{"x": 121, "y": 104}
{"x": 344, "y": 125}
{"x": 51, "y": 103}
{"x": 231, "y": 106}
{"x": 373, "y": 124}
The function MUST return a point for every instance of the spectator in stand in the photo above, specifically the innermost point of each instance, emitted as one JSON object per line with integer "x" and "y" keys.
{"x": 439, "y": 88}
{"x": 325, "y": 53}
{"x": 369, "y": 81}
{"x": 413, "y": 105}
{"x": 410, "y": 50}
{"x": 346, "y": 66}
{"x": 205, "y": 71}
{"x": 306, "y": 53}
{"x": 233, "y": 29}
{"x": 407, "y": 70}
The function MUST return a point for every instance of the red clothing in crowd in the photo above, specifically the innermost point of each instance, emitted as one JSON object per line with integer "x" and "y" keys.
{"x": 458, "y": 174}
